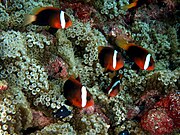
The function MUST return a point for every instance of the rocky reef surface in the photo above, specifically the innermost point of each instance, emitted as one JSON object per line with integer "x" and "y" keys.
{"x": 34, "y": 65}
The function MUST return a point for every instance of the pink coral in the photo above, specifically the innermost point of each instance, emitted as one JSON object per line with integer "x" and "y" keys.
{"x": 82, "y": 11}
{"x": 172, "y": 104}
{"x": 164, "y": 116}
{"x": 157, "y": 121}
{"x": 132, "y": 112}
{"x": 39, "y": 120}
{"x": 149, "y": 98}
{"x": 3, "y": 85}
{"x": 57, "y": 68}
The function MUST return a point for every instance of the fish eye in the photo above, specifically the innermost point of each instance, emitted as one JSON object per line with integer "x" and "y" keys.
{"x": 88, "y": 98}
{"x": 150, "y": 63}
{"x": 67, "y": 18}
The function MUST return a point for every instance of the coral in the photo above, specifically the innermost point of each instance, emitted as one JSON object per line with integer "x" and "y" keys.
{"x": 34, "y": 65}
{"x": 15, "y": 11}
{"x": 119, "y": 108}
{"x": 12, "y": 45}
{"x": 3, "y": 85}
{"x": 157, "y": 121}
{"x": 132, "y": 112}
{"x": 4, "y": 19}
{"x": 14, "y": 111}
{"x": 57, "y": 128}
{"x": 82, "y": 11}
{"x": 92, "y": 124}
{"x": 87, "y": 40}
{"x": 39, "y": 120}
{"x": 132, "y": 126}
{"x": 171, "y": 103}
{"x": 57, "y": 68}
{"x": 37, "y": 45}
{"x": 50, "y": 99}
{"x": 110, "y": 8}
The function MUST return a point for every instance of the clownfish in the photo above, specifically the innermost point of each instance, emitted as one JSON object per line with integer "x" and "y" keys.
{"x": 113, "y": 88}
{"x": 110, "y": 59}
{"x": 49, "y": 16}
{"x": 138, "y": 54}
{"x": 77, "y": 94}
{"x": 135, "y": 4}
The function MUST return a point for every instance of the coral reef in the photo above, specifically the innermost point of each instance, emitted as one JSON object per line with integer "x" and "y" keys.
{"x": 57, "y": 128}
{"x": 157, "y": 122}
{"x": 15, "y": 111}
{"x": 34, "y": 65}
{"x": 90, "y": 124}
{"x": 3, "y": 85}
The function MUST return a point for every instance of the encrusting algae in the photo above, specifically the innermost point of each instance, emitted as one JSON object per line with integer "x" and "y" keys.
{"x": 56, "y": 78}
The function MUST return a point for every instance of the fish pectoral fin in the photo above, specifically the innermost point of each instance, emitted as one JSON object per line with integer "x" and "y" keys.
{"x": 135, "y": 67}
{"x": 52, "y": 30}
{"x": 68, "y": 103}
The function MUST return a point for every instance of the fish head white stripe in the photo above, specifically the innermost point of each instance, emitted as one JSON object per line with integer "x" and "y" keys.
{"x": 147, "y": 61}
{"x": 114, "y": 59}
{"x": 83, "y": 96}
{"x": 114, "y": 85}
{"x": 62, "y": 19}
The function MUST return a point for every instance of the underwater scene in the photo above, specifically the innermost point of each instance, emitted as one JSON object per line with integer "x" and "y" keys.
{"x": 89, "y": 67}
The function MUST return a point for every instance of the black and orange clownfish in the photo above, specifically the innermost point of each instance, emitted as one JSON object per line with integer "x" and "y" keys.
{"x": 49, "y": 16}
{"x": 138, "y": 54}
{"x": 77, "y": 94}
{"x": 110, "y": 59}
{"x": 135, "y": 4}
{"x": 114, "y": 87}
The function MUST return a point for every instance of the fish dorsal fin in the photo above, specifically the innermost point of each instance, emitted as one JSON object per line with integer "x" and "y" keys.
{"x": 122, "y": 43}
{"x": 72, "y": 78}
{"x": 36, "y": 10}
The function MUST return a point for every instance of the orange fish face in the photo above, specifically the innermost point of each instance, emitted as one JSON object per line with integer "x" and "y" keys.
{"x": 145, "y": 63}
{"x": 60, "y": 20}
{"x": 77, "y": 94}
{"x": 78, "y": 101}
{"x": 139, "y": 62}
{"x": 141, "y": 57}
{"x": 110, "y": 59}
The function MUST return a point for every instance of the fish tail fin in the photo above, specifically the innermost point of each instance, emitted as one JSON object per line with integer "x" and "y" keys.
{"x": 29, "y": 19}
{"x": 130, "y": 5}
{"x": 122, "y": 43}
